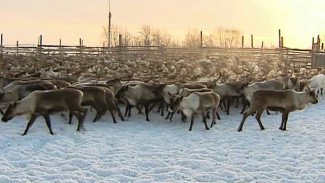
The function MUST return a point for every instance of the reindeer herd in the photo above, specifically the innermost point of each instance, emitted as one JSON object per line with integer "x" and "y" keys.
{"x": 49, "y": 92}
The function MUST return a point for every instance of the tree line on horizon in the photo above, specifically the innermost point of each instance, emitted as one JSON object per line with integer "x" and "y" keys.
{"x": 150, "y": 36}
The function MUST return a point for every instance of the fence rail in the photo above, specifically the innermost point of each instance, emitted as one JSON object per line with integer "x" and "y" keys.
{"x": 298, "y": 57}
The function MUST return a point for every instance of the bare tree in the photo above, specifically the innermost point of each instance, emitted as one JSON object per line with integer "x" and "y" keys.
{"x": 192, "y": 38}
{"x": 115, "y": 32}
{"x": 146, "y": 33}
{"x": 227, "y": 37}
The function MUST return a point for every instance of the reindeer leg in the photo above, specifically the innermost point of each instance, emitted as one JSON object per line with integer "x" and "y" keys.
{"x": 258, "y": 118}
{"x": 70, "y": 117}
{"x": 146, "y": 109}
{"x": 225, "y": 104}
{"x": 159, "y": 108}
{"x": 30, "y": 123}
{"x": 208, "y": 115}
{"x": 321, "y": 91}
{"x": 126, "y": 109}
{"x": 119, "y": 113}
{"x": 192, "y": 121}
{"x": 140, "y": 109}
{"x": 237, "y": 102}
{"x": 129, "y": 112}
{"x": 168, "y": 114}
{"x": 162, "y": 104}
{"x": 98, "y": 112}
{"x": 205, "y": 120}
{"x": 171, "y": 116}
{"x": 284, "y": 120}
{"x": 113, "y": 116}
{"x": 81, "y": 115}
{"x": 214, "y": 114}
{"x": 244, "y": 106}
{"x": 246, "y": 114}
{"x": 218, "y": 116}
{"x": 228, "y": 105}
{"x": 183, "y": 117}
{"x": 48, "y": 123}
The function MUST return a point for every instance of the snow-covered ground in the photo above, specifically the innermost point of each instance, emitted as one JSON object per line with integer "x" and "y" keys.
{"x": 161, "y": 151}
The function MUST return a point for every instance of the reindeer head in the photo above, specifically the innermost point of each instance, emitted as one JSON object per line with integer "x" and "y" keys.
{"x": 121, "y": 93}
{"x": 175, "y": 103}
{"x": 10, "y": 112}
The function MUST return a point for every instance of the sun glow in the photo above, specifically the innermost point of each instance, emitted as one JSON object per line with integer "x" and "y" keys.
{"x": 299, "y": 20}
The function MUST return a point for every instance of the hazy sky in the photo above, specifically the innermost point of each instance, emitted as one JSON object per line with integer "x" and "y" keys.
{"x": 24, "y": 20}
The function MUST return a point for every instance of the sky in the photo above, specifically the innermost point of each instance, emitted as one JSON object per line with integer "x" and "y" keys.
{"x": 25, "y": 20}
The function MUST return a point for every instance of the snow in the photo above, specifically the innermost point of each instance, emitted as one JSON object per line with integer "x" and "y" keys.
{"x": 163, "y": 151}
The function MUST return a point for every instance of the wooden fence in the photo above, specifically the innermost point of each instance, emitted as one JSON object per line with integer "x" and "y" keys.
{"x": 296, "y": 57}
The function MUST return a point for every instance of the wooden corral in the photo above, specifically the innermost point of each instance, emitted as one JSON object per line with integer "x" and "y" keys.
{"x": 73, "y": 60}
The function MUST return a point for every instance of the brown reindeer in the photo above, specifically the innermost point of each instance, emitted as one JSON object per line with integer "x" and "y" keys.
{"x": 285, "y": 101}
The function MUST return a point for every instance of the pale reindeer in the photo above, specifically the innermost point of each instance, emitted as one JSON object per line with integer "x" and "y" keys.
{"x": 197, "y": 103}
{"x": 44, "y": 103}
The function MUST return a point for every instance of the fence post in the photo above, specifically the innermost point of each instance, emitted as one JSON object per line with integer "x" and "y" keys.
{"x": 120, "y": 41}
{"x": 40, "y": 47}
{"x": 103, "y": 50}
{"x": 201, "y": 39}
{"x": 17, "y": 47}
{"x": 322, "y": 46}
{"x": 313, "y": 53}
{"x": 242, "y": 41}
{"x": 282, "y": 41}
{"x": 80, "y": 47}
{"x": 252, "y": 41}
{"x": 280, "y": 44}
{"x": 262, "y": 45}
{"x": 60, "y": 50}
{"x": 318, "y": 43}
{"x": 1, "y": 46}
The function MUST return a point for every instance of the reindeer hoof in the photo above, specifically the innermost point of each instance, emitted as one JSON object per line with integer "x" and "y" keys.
{"x": 239, "y": 130}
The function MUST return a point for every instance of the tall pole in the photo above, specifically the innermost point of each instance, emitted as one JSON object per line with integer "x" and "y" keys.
{"x": 1, "y": 46}
{"x": 280, "y": 44}
{"x": 109, "y": 24}
{"x": 201, "y": 39}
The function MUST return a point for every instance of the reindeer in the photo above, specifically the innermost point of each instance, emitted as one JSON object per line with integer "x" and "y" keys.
{"x": 21, "y": 91}
{"x": 95, "y": 97}
{"x": 316, "y": 83}
{"x": 44, "y": 103}
{"x": 59, "y": 83}
{"x": 185, "y": 92}
{"x": 141, "y": 94}
{"x": 285, "y": 101}
{"x": 11, "y": 85}
{"x": 247, "y": 89}
{"x": 197, "y": 103}
{"x": 227, "y": 91}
